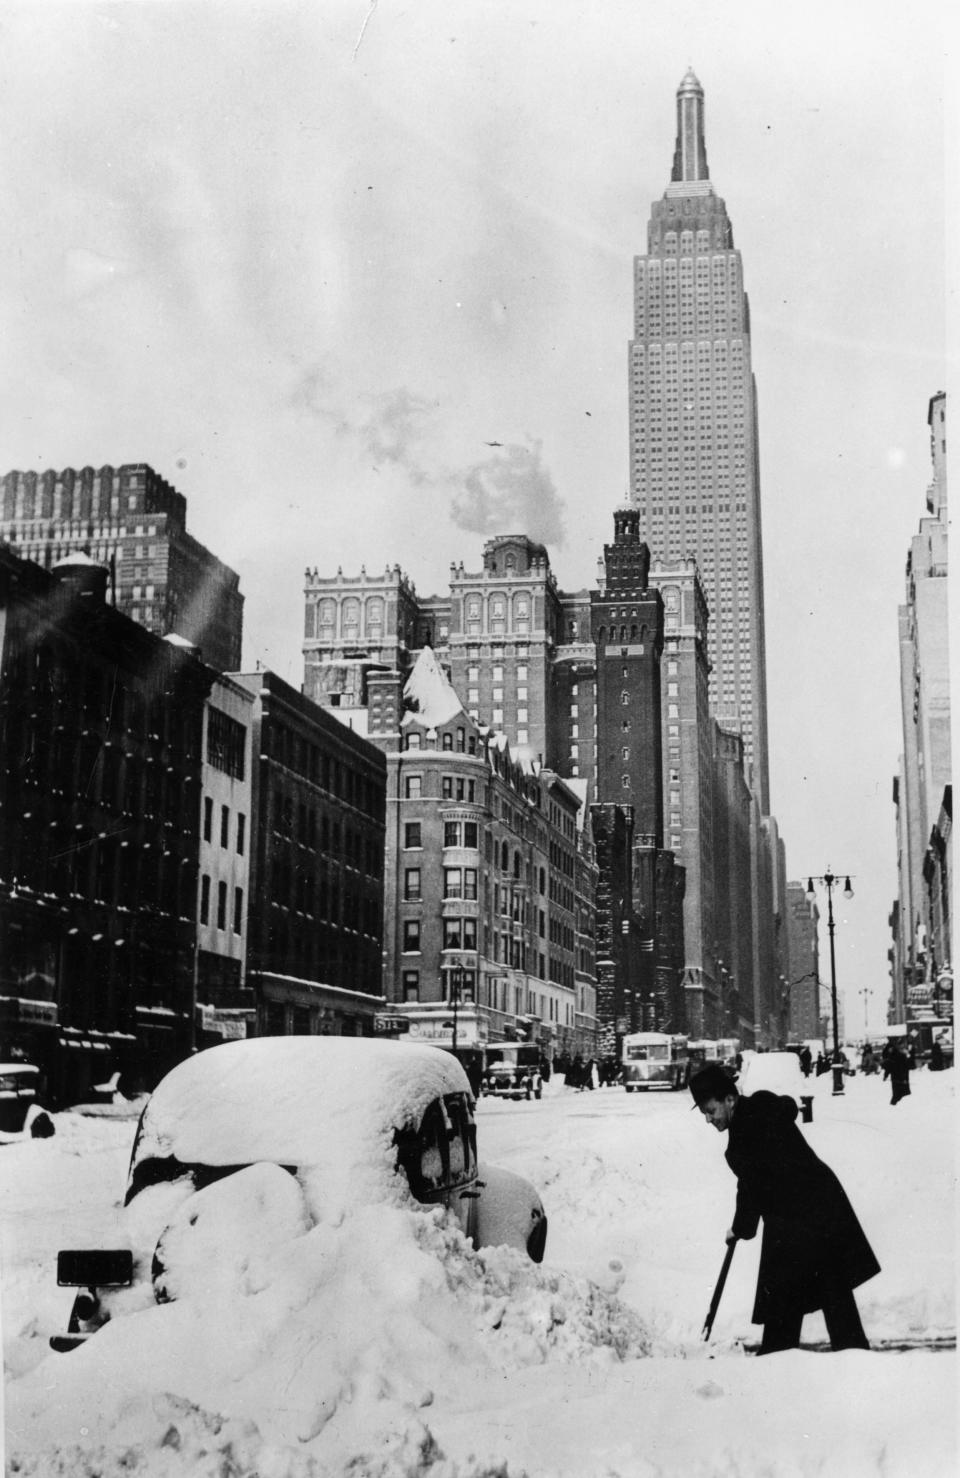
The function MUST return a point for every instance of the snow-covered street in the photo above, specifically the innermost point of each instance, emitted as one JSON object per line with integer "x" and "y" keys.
{"x": 382, "y": 1345}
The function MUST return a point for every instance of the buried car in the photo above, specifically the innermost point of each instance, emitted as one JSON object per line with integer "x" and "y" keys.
{"x": 278, "y": 1134}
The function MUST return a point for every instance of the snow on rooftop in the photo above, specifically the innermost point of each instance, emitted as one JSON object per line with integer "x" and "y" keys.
{"x": 430, "y": 693}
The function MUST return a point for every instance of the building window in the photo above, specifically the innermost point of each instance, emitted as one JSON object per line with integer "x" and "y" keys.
{"x": 238, "y": 910}
{"x": 226, "y": 743}
{"x": 460, "y": 882}
{"x": 221, "y": 905}
{"x": 452, "y": 934}
{"x": 224, "y": 826}
{"x": 411, "y": 985}
{"x": 207, "y": 818}
{"x": 412, "y": 834}
{"x": 205, "y": 899}
{"x": 624, "y": 697}
{"x": 625, "y": 781}
{"x": 411, "y": 884}
{"x": 241, "y": 832}
{"x": 411, "y": 936}
{"x": 451, "y": 833}
{"x": 412, "y": 787}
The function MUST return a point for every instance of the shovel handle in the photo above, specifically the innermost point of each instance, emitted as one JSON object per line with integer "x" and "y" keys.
{"x": 717, "y": 1292}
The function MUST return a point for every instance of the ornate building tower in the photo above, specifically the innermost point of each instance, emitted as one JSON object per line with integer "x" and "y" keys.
{"x": 694, "y": 466}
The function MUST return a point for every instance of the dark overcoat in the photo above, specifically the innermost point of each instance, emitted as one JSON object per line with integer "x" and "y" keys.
{"x": 813, "y": 1248}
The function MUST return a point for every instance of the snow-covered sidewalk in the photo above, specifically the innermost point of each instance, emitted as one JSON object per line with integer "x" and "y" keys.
{"x": 384, "y": 1346}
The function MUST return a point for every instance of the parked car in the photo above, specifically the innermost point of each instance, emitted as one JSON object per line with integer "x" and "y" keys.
{"x": 286, "y": 1132}
{"x": 21, "y": 1116}
{"x": 512, "y": 1070}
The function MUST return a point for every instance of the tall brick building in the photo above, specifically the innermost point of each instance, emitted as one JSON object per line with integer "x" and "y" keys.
{"x": 129, "y": 519}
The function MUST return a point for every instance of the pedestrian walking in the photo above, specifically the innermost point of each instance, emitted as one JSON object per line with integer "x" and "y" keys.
{"x": 814, "y": 1251}
{"x": 898, "y": 1071}
{"x": 806, "y": 1060}
{"x": 936, "y": 1057}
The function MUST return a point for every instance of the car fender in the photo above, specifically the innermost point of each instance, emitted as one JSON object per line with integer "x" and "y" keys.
{"x": 510, "y": 1213}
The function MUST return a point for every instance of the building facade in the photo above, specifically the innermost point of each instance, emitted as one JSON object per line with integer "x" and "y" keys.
{"x": 802, "y": 982}
{"x": 129, "y": 519}
{"x": 694, "y": 464}
{"x": 490, "y": 885}
{"x": 922, "y": 959}
{"x": 315, "y": 900}
{"x": 101, "y": 727}
{"x": 226, "y": 1006}
{"x": 688, "y": 782}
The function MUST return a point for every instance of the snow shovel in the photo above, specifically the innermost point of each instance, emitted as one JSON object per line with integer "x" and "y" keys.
{"x": 715, "y": 1301}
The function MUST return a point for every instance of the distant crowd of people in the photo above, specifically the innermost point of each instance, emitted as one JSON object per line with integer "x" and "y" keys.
{"x": 589, "y": 1073}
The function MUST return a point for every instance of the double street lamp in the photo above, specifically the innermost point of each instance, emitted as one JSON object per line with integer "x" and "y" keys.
{"x": 831, "y": 881}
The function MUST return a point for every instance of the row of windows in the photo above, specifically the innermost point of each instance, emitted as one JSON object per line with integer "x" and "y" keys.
{"x": 465, "y": 743}
{"x": 298, "y": 753}
{"x": 226, "y": 743}
{"x": 222, "y": 897}
{"x": 458, "y": 882}
{"x": 455, "y": 834}
{"x": 241, "y": 826}
{"x": 452, "y": 788}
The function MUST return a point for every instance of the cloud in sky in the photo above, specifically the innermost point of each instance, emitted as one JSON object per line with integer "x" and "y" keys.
{"x": 509, "y": 491}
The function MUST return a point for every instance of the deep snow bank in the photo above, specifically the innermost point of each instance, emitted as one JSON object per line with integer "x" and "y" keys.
{"x": 337, "y": 1337}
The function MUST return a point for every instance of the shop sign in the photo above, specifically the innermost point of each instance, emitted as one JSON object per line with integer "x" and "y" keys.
{"x": 440, "y": 1031}
{"x": 223, "y": 1024}
{"x": 28, "y": 1013}
{"x": 383, "y": 1021}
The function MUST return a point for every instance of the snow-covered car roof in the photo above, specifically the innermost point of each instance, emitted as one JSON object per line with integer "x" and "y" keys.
{"x": 331, "y": 1103}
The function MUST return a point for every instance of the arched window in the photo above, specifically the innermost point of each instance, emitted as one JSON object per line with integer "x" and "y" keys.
{"x": 375, "y": 616}
{"x": 504, "y": 857}
{"x": 327, "y": 619}
{"x": 351, "y": 618}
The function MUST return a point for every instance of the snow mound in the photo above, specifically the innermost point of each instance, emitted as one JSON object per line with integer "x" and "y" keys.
{"x": 341, "y": 1335}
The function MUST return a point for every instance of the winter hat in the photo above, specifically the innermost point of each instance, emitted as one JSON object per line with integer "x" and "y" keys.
{"x": 712, "y": 1081}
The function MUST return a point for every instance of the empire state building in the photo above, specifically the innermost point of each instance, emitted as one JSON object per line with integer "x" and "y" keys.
{"x": 694, "y": 465}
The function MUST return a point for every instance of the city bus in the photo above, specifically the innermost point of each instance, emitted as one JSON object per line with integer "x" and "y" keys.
{"x": 653, "y": 1060}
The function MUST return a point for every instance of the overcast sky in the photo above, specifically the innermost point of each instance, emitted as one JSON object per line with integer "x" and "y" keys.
{"x": 309, "y": 260}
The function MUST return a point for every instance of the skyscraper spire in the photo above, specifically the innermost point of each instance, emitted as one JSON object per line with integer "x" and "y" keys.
{"x": 690, "y": 155}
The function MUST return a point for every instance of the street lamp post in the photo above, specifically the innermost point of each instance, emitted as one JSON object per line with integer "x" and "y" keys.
{"x": 866, "y": 992}
{"x": 830, "y": 881}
